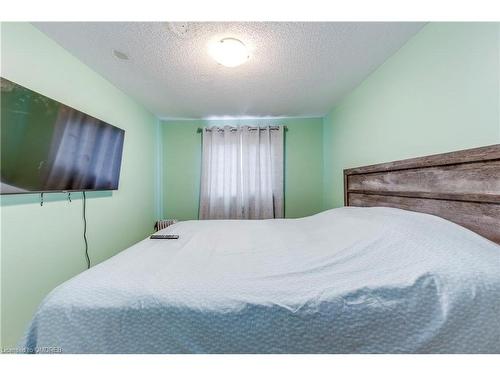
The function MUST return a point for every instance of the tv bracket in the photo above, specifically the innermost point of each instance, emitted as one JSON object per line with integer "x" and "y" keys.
{"x": 41, "y": 198}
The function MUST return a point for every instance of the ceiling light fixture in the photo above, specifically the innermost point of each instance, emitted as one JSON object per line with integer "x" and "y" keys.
{"x": 229, "y": 52}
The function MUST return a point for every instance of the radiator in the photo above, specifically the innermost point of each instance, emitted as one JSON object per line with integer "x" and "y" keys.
{"x": 162, "y": 224}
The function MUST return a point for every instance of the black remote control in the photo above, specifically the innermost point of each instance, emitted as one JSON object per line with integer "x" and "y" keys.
{"x": 164, "y": 237}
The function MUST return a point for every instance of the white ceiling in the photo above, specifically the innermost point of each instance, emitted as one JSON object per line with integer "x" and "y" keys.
{"x": 295, "y": 69}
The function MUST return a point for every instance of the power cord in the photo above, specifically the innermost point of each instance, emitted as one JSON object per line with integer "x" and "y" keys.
{"x": 85, "y": 229}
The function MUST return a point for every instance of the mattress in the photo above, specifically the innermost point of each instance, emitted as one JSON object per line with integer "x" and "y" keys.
{"x": 347, "y": 280}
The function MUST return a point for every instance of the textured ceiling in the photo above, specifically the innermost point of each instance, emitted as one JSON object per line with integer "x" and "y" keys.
{"x": 295, "y": 68}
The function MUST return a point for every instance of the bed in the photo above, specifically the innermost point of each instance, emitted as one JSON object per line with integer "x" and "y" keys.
{"x": 388, "y": 273}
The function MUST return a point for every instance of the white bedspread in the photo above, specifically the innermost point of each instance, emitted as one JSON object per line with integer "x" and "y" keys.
{"x": 348, "y": 280}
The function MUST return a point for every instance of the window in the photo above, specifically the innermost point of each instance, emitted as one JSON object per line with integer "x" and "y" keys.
{"x": 242, "y": 173}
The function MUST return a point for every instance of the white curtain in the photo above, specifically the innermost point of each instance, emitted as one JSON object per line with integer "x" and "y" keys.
{"x": 242, "y": 173}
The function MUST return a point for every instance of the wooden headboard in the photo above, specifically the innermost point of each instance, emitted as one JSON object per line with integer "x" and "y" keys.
{"x": 461, "y": 186}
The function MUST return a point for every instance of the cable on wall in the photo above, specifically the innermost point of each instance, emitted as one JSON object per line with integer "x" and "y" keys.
{"x": 85, "y": 229}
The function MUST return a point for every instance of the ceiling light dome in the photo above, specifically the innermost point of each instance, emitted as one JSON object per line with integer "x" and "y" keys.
{"x": 229, "y": 52}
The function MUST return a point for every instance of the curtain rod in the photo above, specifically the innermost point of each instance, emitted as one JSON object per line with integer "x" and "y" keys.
{"x": 285, "y": 128}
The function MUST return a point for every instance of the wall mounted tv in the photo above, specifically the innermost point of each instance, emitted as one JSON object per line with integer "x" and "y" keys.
{"x": 49, "y": 147}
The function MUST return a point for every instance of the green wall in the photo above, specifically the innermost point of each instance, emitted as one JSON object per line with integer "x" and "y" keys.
{"x": 438, "y": 93}
{"x": 43, "y": 246}
{"x": 182, "y": 165}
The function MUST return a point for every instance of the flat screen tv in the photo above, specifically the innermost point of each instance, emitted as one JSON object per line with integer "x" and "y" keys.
{"x": 49, "y": 147}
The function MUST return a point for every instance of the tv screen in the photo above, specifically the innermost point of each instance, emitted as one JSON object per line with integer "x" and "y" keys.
{"x": 48, "y": 146}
